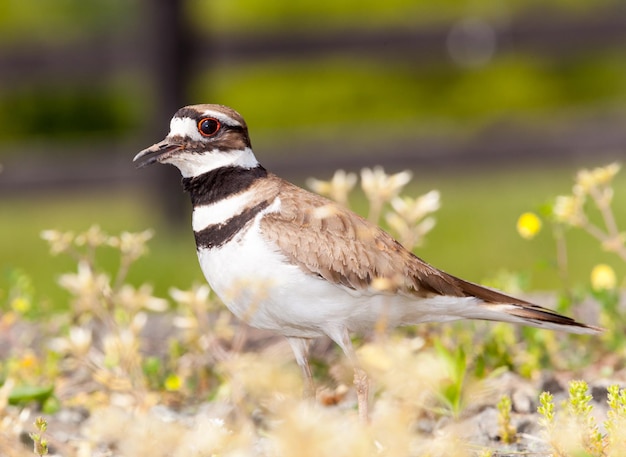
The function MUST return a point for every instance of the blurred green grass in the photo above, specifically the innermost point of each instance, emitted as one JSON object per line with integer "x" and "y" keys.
{"x": 475, "y": 236}
{"x": 314, "y": 15}
{"x": 368, "y": 100}
{"x": 313, "y": 95}
{"x": 64, "y": 20}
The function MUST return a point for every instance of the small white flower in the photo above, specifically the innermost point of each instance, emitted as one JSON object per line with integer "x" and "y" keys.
{"x": 138, "y": 322}
{"x": 135, "y": 299}
{"x": 415, "y": 209}
{"x": 94, "y": 236}
{"x": 185, "y": 322}
{"x": 120, "y": 348}
{"x": 87, "y": 287}
{"x": 377, "y": 185}
{"x": 80, "y": 340}
{"x": 397, "y": 223}
{"x": 132, "y": 245}
{"x": 59, "y": 241}
{"x": 424, "y": 227}
{"x": 198, "y": 294}
{"x": 586, "y": 180}
{"x": 338, "y": 188}
{"x": 409, "y": 221}
{"x": 77, "y": 343}
{"x": 569, "y": 209}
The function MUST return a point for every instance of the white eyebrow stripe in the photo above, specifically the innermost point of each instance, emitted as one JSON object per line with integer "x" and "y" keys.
{"x": 185, "y": 127}
{"x": 223, "y": 118}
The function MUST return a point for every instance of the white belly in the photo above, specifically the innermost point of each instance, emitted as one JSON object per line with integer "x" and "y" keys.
{"x": 261, "y": 287}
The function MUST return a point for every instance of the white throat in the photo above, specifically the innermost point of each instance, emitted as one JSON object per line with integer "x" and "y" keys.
{"x": 193, "y": 164}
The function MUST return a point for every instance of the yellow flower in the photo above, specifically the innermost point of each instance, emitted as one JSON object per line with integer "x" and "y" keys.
{"x": 29, "y": 360}
{"x": 528, "y": 225}
{"x": 20, "y": 305}
{"x": 173, "y": 383}
{"x": 603, "y": 277}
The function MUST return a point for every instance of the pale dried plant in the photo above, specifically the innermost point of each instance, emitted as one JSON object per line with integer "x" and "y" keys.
{"x": 409, "y": 219}
{"x": 396, "y": 365}
{"x": 573, "y": 430}
{"x": 194, "y": 306}
{"x": 593, "y": 185}
{"x": 381, "y": 188}
{"x": 404, "y": 393}
{"x": 338, "y": 188}
{"x": 289, "y": 427}
{"x": 207, "y": 333}
{"x": 104, "y": 338}
{"x": 389, "y": 428}
{"x": 615, "y": 423}
{"x": 446, "y": 444}
{"x": 146, "y": 432}
{"x": 308, "y": 430}
{"x": 14, "y": 422}
{"x": 91, "y": 291}
{"x": 113, "y": 310}
{"x": 78, "y": 343}
{"x": 263, "y": 378}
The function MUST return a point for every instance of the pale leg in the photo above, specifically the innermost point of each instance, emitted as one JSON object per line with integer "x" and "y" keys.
{"x": 361, "y": 381}
{"x": 300, "y": 347}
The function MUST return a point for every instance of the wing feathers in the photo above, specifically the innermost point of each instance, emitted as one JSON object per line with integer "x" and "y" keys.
{"x": 325, "y": 239}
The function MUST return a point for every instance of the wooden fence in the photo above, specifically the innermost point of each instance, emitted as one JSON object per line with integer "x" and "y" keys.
{"x": 166, "y": 53}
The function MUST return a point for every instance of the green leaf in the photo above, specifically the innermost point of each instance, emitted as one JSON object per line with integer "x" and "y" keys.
{"x": 26, "y": 394}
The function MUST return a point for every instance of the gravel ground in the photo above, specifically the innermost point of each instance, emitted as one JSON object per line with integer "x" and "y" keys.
{"x": 115, "y": 424}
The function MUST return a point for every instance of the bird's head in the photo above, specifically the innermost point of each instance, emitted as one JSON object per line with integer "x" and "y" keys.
{"x": 202, "y": 138}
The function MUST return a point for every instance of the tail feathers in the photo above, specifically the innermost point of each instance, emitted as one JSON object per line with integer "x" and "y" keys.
{"x": 535, "y": 316}
{"x": 497, "y": 306}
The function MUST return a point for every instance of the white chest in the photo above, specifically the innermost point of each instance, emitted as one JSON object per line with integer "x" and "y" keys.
{"x": 257, "y": 283}
{"x": 260, "y": 286}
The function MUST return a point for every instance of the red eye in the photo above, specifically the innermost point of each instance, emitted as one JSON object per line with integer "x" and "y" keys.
{"x": 208, "y": 126}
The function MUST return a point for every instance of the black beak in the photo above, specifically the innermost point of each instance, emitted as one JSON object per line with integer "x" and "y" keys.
{"x": 153, "y": 153}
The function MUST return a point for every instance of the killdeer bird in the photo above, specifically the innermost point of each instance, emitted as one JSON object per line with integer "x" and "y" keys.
{"x": 291, "y": 261}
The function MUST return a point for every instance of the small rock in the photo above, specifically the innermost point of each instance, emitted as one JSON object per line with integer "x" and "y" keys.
{"x": 523, "y": 401}
{"x": 551, "y": 384}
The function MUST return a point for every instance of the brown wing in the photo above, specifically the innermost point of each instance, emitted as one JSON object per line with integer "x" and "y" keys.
{"x": 328, "y": 240}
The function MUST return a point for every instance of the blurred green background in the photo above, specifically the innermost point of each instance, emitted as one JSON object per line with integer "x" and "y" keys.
{"x": 496, "y": 104}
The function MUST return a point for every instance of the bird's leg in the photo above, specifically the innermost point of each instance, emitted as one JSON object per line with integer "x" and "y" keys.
{"x": 361, "y": 380}
{"x": 300, "y": 347}
{"x": 362, "y": 386}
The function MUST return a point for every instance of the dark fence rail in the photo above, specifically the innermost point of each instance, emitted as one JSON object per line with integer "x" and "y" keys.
{"x": 166, "y": 53}
{"x": 176, "y": 51}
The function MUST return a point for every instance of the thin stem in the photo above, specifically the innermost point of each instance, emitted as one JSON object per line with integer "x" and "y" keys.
{"x": 376, "y": 206}
{"x": 612, "y": 235}
{"x": 562, "y": 258}
{"x": 605, "y": 238}
{"x": 122, "y": 271}
{"x": 605, "y": 211}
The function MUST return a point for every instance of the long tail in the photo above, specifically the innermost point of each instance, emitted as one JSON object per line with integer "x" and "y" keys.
{"x": 497, "y": 306}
